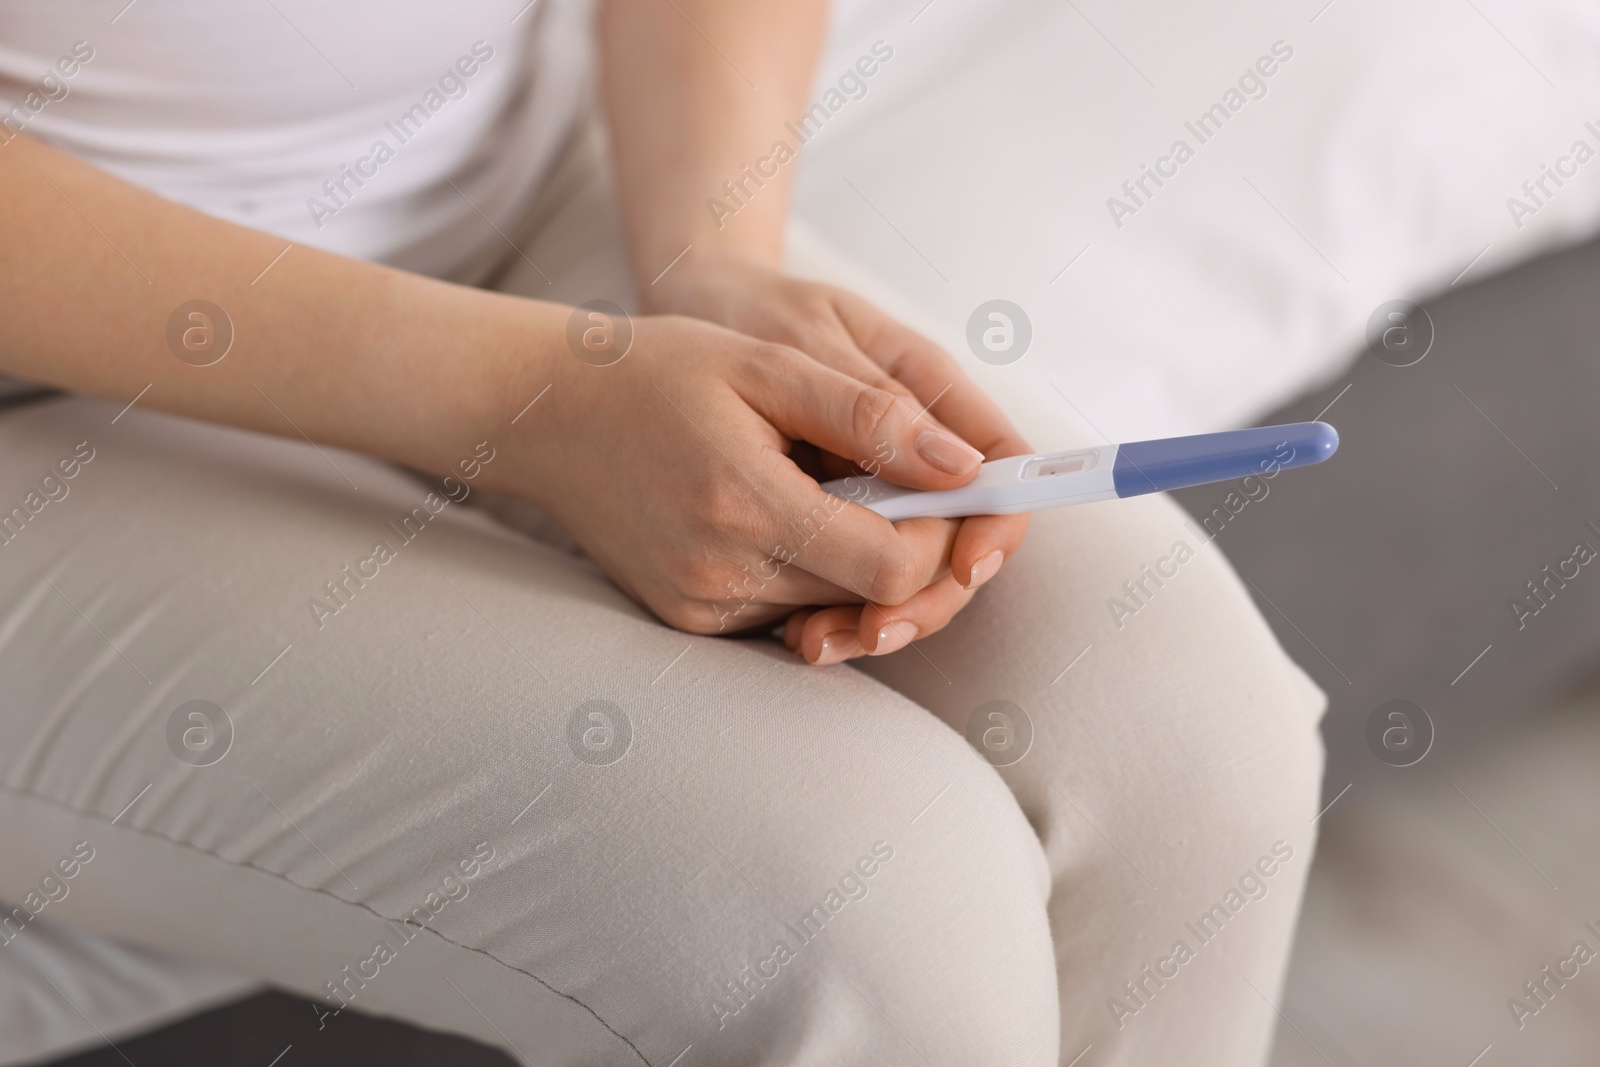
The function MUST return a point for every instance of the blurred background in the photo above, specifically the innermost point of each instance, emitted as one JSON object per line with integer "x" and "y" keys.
{"x": 1388, "y": 158}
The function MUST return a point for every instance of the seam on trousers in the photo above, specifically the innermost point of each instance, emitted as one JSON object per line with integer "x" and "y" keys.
{"x": 30, "y": 794}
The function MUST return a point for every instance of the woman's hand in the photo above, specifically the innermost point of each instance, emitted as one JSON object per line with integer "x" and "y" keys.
{"x": 851, "y": 336}
{"x": 680, "y": 129}
{"x": 673, "y": 468}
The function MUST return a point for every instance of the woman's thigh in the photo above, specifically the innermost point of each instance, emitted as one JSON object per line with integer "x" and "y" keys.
{"x": 276, "y": 710}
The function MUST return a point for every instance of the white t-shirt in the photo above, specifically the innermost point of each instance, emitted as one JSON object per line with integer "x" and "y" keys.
{"x": 390, "y": 130}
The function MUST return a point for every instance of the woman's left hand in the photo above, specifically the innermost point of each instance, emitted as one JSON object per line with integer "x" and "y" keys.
{"x": 850, "y": 335}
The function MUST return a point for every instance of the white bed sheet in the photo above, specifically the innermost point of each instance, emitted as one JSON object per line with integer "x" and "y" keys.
{"x": 1377, "y": 166}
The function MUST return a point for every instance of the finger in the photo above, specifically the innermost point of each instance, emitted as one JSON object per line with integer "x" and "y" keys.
{"x": 982, "y": 544}
{"x": 932, "y": 376}
{"x": 765, "y": 582}
{"x": 884, "y": 629}
{"x": 834, "y": 346}
{"x": 802, "y": 399}
{"x": 837, "y": 552}
{"x": 986, "y": 541}
{"x": 829, "y": 636}
{"x": 819, "y": 548}
{"x": 862, "y": 556}
{"x": 793, "y": 626}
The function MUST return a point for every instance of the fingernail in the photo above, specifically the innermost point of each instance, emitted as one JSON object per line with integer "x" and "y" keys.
{"x": 895, "y": 636}
{"x": 837, "y": 647}
{"x": 986, "y": 568}
{"x": 947, "y": 452}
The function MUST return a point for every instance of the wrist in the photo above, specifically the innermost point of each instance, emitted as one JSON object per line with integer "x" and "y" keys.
{"x": 702, "y": 274}
{"x": 492, "y": 356}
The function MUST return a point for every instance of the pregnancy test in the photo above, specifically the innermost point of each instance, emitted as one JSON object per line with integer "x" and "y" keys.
{"x": 1084, "y": 475}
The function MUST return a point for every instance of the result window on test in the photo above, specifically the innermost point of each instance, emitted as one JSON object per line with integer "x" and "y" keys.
{"x": 1061, "y": 463}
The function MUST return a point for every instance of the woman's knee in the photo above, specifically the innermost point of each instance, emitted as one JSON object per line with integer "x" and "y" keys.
{"x": 1208, "y": 730}
{"x": 1237, "y": 718}
{"x": 1150, "y": 690}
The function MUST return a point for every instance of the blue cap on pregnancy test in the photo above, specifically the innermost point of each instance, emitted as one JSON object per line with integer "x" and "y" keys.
{"x": 1175, "y": 462}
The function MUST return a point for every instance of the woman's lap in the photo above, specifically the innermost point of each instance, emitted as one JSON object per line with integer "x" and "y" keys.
{"x": 446, "y": 707}
{"x": 432, "y": 719}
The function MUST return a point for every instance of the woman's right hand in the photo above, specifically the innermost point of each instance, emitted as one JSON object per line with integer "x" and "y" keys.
{"x": 673, "y": 468}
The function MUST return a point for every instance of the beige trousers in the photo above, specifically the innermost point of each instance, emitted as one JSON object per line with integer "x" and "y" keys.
{"x": 482, "y": 791}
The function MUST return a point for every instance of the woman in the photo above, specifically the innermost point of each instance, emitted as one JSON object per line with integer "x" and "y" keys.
{"x": 321, "y": 724}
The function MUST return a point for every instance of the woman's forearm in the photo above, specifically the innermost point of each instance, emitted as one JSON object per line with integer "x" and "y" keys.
{"x": 696, "y": 91}
{"x": 345, "y": 352}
